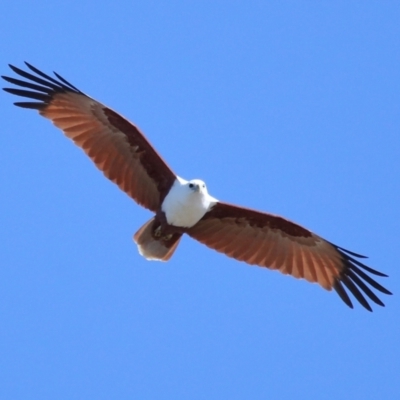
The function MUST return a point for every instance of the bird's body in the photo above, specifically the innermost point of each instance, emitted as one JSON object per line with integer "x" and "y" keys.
{"x": 122, "y": 152}
{"x": 186, "y": 203}
{"x": 183, "y": 207}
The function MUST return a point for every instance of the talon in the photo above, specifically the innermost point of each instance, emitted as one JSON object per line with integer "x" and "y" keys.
{"x": 167, "y": 237}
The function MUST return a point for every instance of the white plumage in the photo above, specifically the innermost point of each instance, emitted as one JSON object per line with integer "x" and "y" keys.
{"x": 187, "y": 202}
{"x": 126, "y": 157}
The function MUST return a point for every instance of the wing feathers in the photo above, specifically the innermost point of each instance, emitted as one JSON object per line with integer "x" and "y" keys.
{"x": 342, "y": 293}
{"x": 364, "y": 288}
{"x": 116, "y": 146}
{"x": 21, "y": 83}
{"x": 269, "y": 241}
{"x": 44, "y": 83}
{"x": 357, "y": 294}
{"x": 297, "y": 263}
{"x": 321, "y": 269}
{"x": 309, "y": 271}
{"x": 30, "y": 95}
{"x": 368, "y": 279}
{"x": 277, "y": 257}
{"x": 121, "y": 151}
{"x": 32, "y": 105}
{"x": 370, "y": 270}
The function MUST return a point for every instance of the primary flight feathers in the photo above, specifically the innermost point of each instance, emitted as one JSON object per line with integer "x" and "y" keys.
{"x": 125, "y": 156}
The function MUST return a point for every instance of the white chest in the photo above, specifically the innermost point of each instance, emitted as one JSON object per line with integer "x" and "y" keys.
{"x": 185, "y": 207}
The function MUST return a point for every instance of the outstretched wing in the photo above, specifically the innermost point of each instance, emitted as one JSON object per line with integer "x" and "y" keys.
{"x": 115, "y": 145}
{"x": 276, "y": 243}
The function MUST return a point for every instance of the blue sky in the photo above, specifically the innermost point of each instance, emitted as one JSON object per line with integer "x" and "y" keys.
{"x": 287, "y": 107}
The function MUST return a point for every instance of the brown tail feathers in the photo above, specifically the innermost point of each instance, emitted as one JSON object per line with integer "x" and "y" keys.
{"x": 153, "y": 248}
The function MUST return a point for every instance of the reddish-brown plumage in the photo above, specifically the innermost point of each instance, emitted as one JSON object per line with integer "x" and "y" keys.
{"x": 116, "y": 146}
{"x": 122, "y": 152}
{"x": 269, "y": 241}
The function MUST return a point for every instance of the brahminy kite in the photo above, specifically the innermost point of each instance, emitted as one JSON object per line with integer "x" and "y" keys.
{"x": 122, "y": 152}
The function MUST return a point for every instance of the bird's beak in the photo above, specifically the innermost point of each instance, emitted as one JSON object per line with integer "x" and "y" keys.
{"x": 197, "y": 188}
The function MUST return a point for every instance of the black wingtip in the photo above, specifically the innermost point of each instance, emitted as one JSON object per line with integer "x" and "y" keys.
{"x": 366, "y": 268}
{"x": 40, "y": 86}
{"x": 342, "y": 294}
{"x": 355, "y": 279}
{"x": 66, "y": 82}
{"x": 30, "y": 104}
{"x": 356, "y": 292}
{"x": 351, "y": 252}
{"x": 358, "y": 281}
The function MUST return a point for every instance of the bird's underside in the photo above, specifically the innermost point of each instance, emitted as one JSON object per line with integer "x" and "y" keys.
{"x": 122, "y": 152}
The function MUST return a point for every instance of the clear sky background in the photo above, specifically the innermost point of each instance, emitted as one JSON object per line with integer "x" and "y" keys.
{"x": 284, "y": 106}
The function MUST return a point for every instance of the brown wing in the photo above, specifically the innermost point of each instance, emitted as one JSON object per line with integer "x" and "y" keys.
{"x": 276, "y": 243}
{"x": 115, "y": 145}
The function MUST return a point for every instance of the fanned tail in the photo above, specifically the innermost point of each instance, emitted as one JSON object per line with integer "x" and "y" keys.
{"x": 152, "y": 247}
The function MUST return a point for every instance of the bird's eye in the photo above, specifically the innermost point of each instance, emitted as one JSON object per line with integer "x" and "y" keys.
{"x": 191, "y": 185}
{"x": 204, "y": 185}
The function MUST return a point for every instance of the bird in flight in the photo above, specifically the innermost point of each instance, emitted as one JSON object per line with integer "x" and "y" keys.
{"x": 119, "y": 149}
